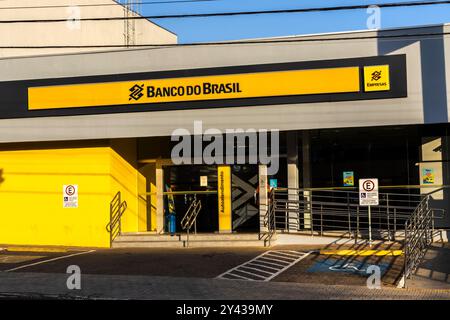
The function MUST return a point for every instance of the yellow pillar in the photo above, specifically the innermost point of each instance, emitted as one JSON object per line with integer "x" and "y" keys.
{"x": 224, "y": 198}
{"x": 159, "y": 198}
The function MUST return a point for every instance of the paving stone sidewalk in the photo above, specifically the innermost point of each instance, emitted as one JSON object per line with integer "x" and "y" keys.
{"x": 39, "y": 285}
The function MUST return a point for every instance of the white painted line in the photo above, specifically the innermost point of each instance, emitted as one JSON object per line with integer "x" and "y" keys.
{"x": 258, "y": 263}
{"x": 288, "y": 255}
{"x": 281, "y": 254}
{"x": 282, "y": 258}
{"x": 280, "y": 263}
{"x": 272, "y": 263}
{"x": 237, "y": 276}
{"x": 49, "y": 260}
{"x": 290, "y": 265}
{"x": 262, "y": 266}
{"x": 220, "y": 275}
{"x": 259, "y": 270}
{"x": 252, "y": 274}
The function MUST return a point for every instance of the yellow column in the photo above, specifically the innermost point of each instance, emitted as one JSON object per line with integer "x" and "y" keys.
{"x": 159, "y": 197}
{"x": 224, "y": 197}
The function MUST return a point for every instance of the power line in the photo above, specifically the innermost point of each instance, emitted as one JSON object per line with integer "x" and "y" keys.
{"x": 221, "y": 14}
{"x": 104, "y": 4}
{"x": 428, "y": 35}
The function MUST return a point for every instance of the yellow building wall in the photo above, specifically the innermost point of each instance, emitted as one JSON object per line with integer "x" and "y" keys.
{"x": 148, "y": 193}
{"x": 31, "y": 196}
{"x": 126, "y": 179}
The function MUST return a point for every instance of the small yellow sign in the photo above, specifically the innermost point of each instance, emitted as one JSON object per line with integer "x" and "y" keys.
{"x": 224, "y": 197}
{"x": 376, "y": 78}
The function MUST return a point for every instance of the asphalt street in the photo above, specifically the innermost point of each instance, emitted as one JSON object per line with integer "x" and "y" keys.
{"x": 192, "y": 273}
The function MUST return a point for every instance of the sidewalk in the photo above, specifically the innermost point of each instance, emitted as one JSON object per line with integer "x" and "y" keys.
{"x": 48, "y": 285}
{"x": 434, "y": 271}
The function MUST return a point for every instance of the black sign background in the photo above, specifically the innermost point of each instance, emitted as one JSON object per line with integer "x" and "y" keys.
{"x": 14, "y": 94}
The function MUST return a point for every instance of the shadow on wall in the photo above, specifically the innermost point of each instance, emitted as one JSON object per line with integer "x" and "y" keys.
{"x": 432, "y": 66}
{"x": 432, "y": 70}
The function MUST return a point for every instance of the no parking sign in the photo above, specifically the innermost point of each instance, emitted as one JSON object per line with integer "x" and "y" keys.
{"x": 70, "y": 196}
{"x": 368, "y": 196}
{"x": 368, "y": 192}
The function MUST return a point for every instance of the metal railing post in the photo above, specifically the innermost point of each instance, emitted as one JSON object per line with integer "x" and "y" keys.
{"x": 321, "y": 220}
{"x": 187, "y": 239}
{"x": 405, "y": 271}
{"x": 110, "y": 221}
{"x": 116, "y": 209}
{"x": 388, "y": 217}
{"x": 349, "y": 218}
{"x": 432, "y": 226}
{"x": 120, "y": 213}
{"x": 357, "y": 224}
{"x": 395, "y": 223}
{"x": 286, "y": 213}
{"x": 311, "y": 216}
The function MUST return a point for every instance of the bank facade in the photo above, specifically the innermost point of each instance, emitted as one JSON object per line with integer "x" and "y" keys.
{"x": 79, "y": 130}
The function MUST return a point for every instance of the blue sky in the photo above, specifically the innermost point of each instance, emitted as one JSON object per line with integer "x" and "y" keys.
{"x": 243, "y": 27}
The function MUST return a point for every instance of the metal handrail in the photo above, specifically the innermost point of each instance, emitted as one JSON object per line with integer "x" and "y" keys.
{"x": 116, "y": 209}
{"x": 419, "y": 231}
{"x": 190, "y": 217}
{"x": 269, "y": 220}
{"x": 319, "y": 211}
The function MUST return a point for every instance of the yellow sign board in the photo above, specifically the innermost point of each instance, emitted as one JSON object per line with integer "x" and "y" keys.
{"x": 376, "y": 78}
{"x": 198, "y": 88}
{"x": 224, "y": 194}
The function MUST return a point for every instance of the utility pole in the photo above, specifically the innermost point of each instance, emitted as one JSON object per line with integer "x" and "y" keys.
{"x": 131, "y": 8}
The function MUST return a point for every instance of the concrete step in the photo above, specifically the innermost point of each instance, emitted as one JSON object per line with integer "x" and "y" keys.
{"x": 200, "y": 240}
{"x": 183, "y": 237}
{"x": 147, "y": 238}
{"x": 225, "y": 243}
{"x": 148, "y": 244}
{"x": 192, "y": 244}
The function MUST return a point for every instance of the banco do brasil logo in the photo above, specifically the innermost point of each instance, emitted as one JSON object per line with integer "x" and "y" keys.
{"x": 136, "y": 92}
{"x": 376, "y": 75}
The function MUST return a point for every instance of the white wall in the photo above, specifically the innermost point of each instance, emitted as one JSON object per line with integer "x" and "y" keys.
{"x": 65, "y": 33}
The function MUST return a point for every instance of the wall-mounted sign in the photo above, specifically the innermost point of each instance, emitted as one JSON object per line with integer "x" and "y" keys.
{"x": 273, "y": 183}
{"x": 230, "y": 86}
{"x": 203, "y": 181}
{"x": 224, "y": 197}
{"x": 70, "y": 196}
{"x": 427, "y": 176}
{"x": 379, "y": 77}
{"x": 348, "y": 178}
{"x": 376, "y": 78}
{"x": 368, "y": 192}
